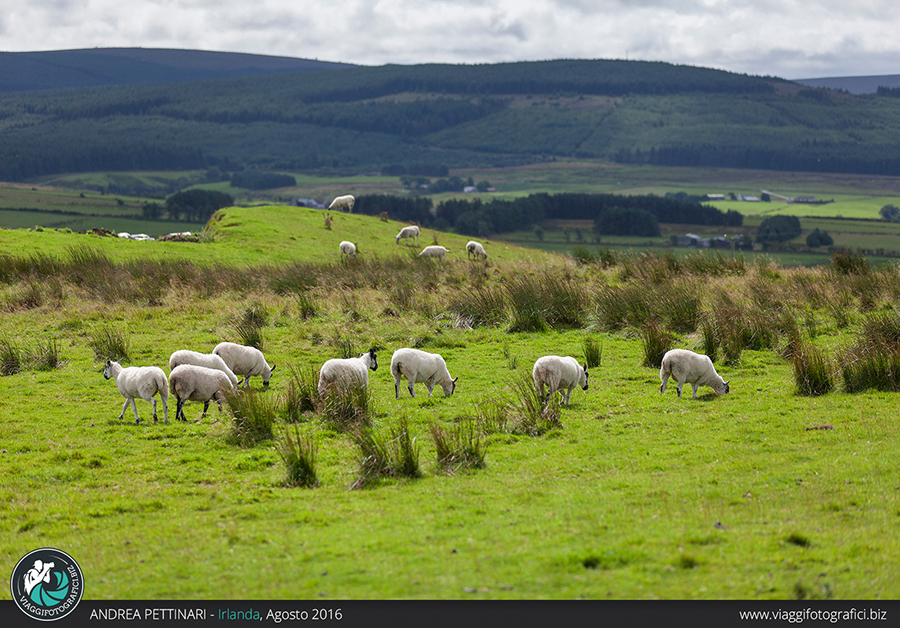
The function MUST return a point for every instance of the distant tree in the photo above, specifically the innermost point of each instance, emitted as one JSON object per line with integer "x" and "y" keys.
{"x": 778, "y": 229}
{"x": 152, "y": 211}
{"x": 538, "y": 232}
{"x": 197, "y": 205}
{"x": 819, "y": 238}
{"x": 765, "y": 198}
{"x": 891, "y": 213}
{"x": 622, "y": 221}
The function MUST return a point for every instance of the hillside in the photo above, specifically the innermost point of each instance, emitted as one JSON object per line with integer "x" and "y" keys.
{"x": 854, "y": 84}
{"x": 28, "y": 71}
{"x": 403, "y": 118}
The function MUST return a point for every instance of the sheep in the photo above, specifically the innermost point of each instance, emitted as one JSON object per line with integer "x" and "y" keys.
{"x": 189, "y": 382}
{"x": 209, "y": 360}
{"x": 421, "y": 367}
{"x": 139, "y": 381}
{"x": 340, "y": 202}
{"x": 559, "y": 374}
{"x": 695, "y": 369}
{"x": 348, "y": 249}
{"x": 406, "y": 233}
{"x": 433, "y": 251}
{"x": 244, "y": 361}
{"x": 475, "y": 249}
{"x": 347, "y": 373}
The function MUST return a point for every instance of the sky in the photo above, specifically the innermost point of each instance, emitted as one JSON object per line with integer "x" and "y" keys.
{"x": 787, "y": 38}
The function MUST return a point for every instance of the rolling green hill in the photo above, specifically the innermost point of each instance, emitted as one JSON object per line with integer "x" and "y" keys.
{"x": 401, "y": 118}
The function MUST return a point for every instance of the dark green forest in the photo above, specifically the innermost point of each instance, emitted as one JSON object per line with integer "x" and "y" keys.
{"x": 434, "y": 117}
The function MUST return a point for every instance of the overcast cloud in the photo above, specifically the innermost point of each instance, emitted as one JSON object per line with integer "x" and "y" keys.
{"x": 787, "y": 38}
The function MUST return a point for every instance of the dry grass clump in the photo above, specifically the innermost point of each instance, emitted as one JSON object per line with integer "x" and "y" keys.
{"x": 394, "y": 457}
{"x": 460, "y": 447}
{"x": 298, "y": 454}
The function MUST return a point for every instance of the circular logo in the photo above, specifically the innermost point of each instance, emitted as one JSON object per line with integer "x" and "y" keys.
{"x": 47, "y": 584}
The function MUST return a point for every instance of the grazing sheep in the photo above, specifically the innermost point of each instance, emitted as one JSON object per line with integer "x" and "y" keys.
{"x": 244, "y": 361}
{"x": 189, "y": 382}
{"x": 209, "y": 360}
{"x": 421, "y": 367}
{"x": 695, "y": 369}
{"x": 139, "y": 381}
{"x": 475, "y": 249}
{"x": 434, "y": 251}
{"x": 348, "y": 249}
{"x": 347, "y": 373}
{"x": 340, "y": 202}
{"x": 406, "y": 233}
{"x": 561, "y": 374}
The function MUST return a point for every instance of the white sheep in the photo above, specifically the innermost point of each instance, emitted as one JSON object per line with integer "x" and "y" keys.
{"x": 139, "y": 381}
{"x": 244, "y": 361}
{"x": 558, "y": 373}
{"x": 347, "y": 373}
{"x": 693, "y": 368}
{"x": 421, "y": 367}
{"x": 406, "y": 233}
{"x": 434, "y": 251}
{"x": 209, "y": 360}
{"x": 340, "y": 202}
{"x": 348, "y": 249}
{"x": 189, "y": 382}
{"x": 475, "y": 249}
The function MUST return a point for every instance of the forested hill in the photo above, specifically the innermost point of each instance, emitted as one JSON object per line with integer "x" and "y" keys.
{"x": 403, "y": 118}
{"x": 26, "y": 71}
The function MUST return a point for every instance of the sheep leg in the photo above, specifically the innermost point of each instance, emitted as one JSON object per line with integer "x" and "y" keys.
{"x": 205, "y": 408}
{"x": 179, "y": 411}
{"x": 165, "y": 409}
{"x": 153, "y": 400}
{"x": 134, "y": 407}
{"x": 410, "y": 386}
{"x": 665, "y": 380}
{"x": 696, "y": 386}
{"x": 568, "y": 394}
{"x": 122, "y": 413}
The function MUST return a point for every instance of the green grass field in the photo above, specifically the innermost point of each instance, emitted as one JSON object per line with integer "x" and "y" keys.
{"x": 635, "y": 495}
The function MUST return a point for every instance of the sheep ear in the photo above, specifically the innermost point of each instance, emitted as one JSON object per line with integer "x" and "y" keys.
{"x": 273, "y": 368}
{"x": 454, "y": 379}
{"x": 585, "y": 367}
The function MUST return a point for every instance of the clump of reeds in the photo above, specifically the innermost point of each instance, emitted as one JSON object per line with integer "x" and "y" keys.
{"x": 812, "y": 371}
{"x": 656, "y": 341}
{"x": 529, "y": 414}
{"x": 380, "y": 458}
{"x": 346, "y": 409}
{"x": 44, "y": 355}
{"x": 251, "y": 324}
{"x": 459, "y": 447}
{"x": 253, "y": 416}
{"x": 298, "y": 453}
{"x": 593, "y": 353}
{"x": 109, "y": 343}
{"x": 525, "y": 296}
{"x": 301, "y": 396}
{"x": 10, "y": 357}
{"x": 848, "y": 262}
{"x": 481, "y": 306}
{"x": 874, "y": 362}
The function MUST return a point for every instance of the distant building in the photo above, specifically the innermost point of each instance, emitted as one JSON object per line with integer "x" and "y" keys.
{"x": 469, "y": 189}
{"x": 750, "y": 198}
{"x": 805, "y": 199}
{"x": 715, "y": 197}
{"x": 694, "y": 240}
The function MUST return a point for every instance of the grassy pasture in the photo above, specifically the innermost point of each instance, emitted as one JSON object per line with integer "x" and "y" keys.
{"x": 635, "y": 496}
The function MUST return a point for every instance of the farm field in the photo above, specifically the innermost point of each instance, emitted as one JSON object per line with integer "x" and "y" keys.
{"x": 760, "y": 494}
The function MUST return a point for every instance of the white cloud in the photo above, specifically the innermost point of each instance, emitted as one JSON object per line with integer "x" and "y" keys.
{"x": 791, "y": 38}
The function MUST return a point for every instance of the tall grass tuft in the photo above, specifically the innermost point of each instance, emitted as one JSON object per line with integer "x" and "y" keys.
{"x": 525, "y": 294}
{"x": 404, "y": 452}
{"x": 298, "y": 453}
{"x": 480, "y": 306}
{"x": 110, "y": 344}
{"x": 347, "y": 409}
{"x": 871, "y": 366}
{"x": 301, "y": 396}
{"x": 531, "y": 415}
{"x": 45, "y": 356}
{"x": 250, "y": 326}
{"x": 374, "y": 458}
{"x": 812, "y": 372}
{"x": 850, "y": 263}
{"x": 593, "y": 353}
{"x": 459, "y": 447}
{"x": 253, "y": 416}
{"x": 10, "y": 357}
{"x": 710, "y": 338}
{"x": 656, "y": 341}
